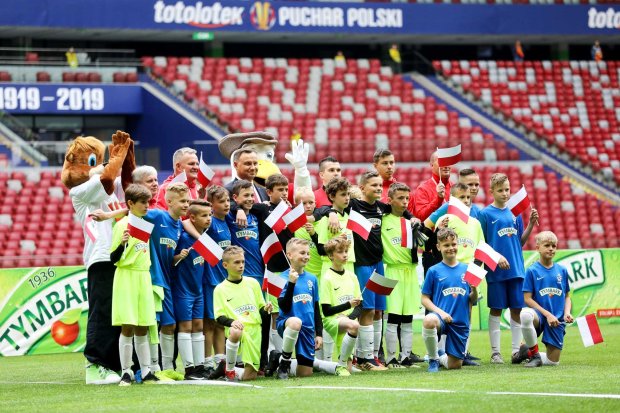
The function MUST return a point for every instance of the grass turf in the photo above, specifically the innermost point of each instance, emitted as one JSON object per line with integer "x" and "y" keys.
{"x": 586, "y": 371}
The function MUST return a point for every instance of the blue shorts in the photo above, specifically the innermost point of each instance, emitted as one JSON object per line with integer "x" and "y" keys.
{"x": 456, "y": 338}
{"x": 166, "y": 317}
{"x": 208, "y": 290}
{"x": 305, "y": 341}
{"x": 189, "y": 308}
{"x": 371, "y": 300}
{"x": 551, "y": 336}
{"x": 505, "y": 294}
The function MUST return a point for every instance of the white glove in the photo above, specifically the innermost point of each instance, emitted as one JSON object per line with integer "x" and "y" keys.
{"x": 299, "y": 156}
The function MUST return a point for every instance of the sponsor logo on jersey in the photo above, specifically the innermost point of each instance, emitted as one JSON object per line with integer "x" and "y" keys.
{"x": 507, "y": 231}
{"x": 169, "y": 243}
{"x": 345, "y": 298}
{"x": 304, "y": 298}
{"x": 376, "y": 222}
{"x": 141, "y": 246}
{"x": 550, "y": 292}
{"x": 453, "y": 291}
{"x": 245, "y": 309}
{"x": 247, "y": 234}
{"x": 224, "y": 243}
{"x": 199, "y": 261}
{"x": 396, "y": 241}
{"x": 465, "y": 242}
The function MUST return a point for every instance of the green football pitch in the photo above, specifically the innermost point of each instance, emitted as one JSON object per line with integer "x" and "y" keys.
{"x": 587, "y": 380}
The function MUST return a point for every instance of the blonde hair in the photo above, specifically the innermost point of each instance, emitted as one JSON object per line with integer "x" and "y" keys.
{"x": 177, "y": 188}
{"x": 546, "y": 236}
{"x": 445, "y": 233}
{"x": 296, "y": 242}
{"x": 340, "y": 243}
{"x": 302, "y": 191}
{"x": 498, "y": 179}
{"x": 231, "y": 251}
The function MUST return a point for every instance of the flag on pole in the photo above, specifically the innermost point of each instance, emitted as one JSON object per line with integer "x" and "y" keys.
{"x": 139, "y": 228}
{"x": 379, "y": 284}
{"x": 205, "y": 174}
{"x": 274, "y": 284}
{"x": 449, "y": 156}
{"x": 458, "y": 208}
{"x": 358, "y": 224}
{"x": 271, "y": 246}
{"x": 274, "y": 220}
{"x": 518, "y": 202}
{"x": 474, "y": 274}
{"x": 90, "y": 228}
{"x": 485, "y": 253}
{"x": 589, "y": 330}
{"x": 406, "y": 240}
{"x": 296, "y": 218}
{"x": 208, "y": 249}
{"x": 182, "y": 177}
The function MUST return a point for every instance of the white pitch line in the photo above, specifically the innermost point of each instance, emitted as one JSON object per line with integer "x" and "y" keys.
{"x": 371, "y": 389}
{"x": 582, "y": 395}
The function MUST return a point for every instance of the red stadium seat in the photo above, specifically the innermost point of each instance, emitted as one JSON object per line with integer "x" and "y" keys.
{"x": 43, "y": 77}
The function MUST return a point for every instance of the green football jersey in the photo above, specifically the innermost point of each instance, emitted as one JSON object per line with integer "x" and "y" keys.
{"x": 239, "y": 301}
{"x": 322, "y": 229}
{"x": 469, "y": 236}
{"x": 391, "y": 236}
{"x": 315, "y": 262}
{"x": 335, "y": 289}
{"x": 136, "y": 255}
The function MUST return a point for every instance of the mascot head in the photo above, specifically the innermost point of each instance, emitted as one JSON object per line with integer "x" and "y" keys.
{"x": 263, "y": 143}
{"x": 83, "y": 155}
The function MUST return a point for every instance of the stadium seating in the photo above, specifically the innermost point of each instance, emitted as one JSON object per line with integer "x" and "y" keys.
{"x": 340, "y": 109}
{"x": 572, "y": 105}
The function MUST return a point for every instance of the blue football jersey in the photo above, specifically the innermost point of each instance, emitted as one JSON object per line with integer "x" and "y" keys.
{"x": 306, "y": 293}
{"x": 549, "y": 287}
{"x": 503, "y": 231}
{"x": 163, "y": 243}
{"x": 188, "y": 273}
{"x": 221, "y": 234}
{"x": 247, "y": 239}
{"x": 448, "y": 291}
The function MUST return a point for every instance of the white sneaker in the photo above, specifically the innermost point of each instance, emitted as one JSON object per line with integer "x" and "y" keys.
{"x": 99, "y": 375}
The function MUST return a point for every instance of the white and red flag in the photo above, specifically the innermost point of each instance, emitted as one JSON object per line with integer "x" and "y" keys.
{"x": 406, "y": 240}
{"x": 518, "y": 202}
{"x": 274, "y": 284}
{"x": 449, "y": 156}
{"x": 271, "y": 246}
{"x": 205, "y": 173}
{"x": 139, "y": 228}
{"x": 90, "y": 228}
{"x": 358, "y": 224}
{"x": 458, "y": 208}
{"x": 296, "y": 218}
{"x": 589, "y": 330}
{"x": 379, "y": 284}
{"x": 485, "y": 253}
{"x": 274, "y": 220}
{"x": 182, "y": 177}
{"x": 208, "y": 249}
{"x": 474, "y": 274}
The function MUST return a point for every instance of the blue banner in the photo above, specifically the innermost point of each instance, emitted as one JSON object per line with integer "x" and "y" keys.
{"x": 70, "y": 98}
{"x": 304, "y": 17}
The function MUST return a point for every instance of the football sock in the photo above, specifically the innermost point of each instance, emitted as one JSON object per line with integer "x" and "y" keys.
{"x": 328, "y": 346}
{"x": 154, "y": 357}
{"x": 218, "y": 359}
{"x": 143, "y": 351}
{"x": 378, "y": 330}
{"x": 517, "y": 337}
{"x": 546, "y": 361}
{"x": 527, "y": 329}
{"x": 167, "y": 350}
{"x": 125, "y": 350}
{"x": 406, "y": 339}
{"x": 198, "y": 348}
{"x": 185, "y": 349}
{"x": 289, "y": 339}
{"x": 467, "y": 341}
{"x": 348, "y": 342}
{"x": 365, "y": 337}
{"x": 494, "y": 333}
{"x": 443, "y": 360}
{"x": 209, "y": 362}
{"x": 328, "y": 367}
{"x": 239, "y": 371}
{"x": 441, "y": 344}
{"x": 391, "y": 341}
{"x": 276, "y": 340}
{"x": 429, "y": 335}
{"x": 293, "y": 370}
{"x": 231, "y": 354}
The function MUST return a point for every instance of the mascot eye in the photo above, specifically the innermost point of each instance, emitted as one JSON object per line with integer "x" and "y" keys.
{"x": 270, "y": 155}
{"x": 92, "y": 160}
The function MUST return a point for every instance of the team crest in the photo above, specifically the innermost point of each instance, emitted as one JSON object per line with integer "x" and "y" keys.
{"x": 310, "y": 284}
{"x": 559, "y": 278}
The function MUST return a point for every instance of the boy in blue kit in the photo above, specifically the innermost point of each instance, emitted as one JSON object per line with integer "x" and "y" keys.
{"x": 219, "y": 231}
{"x": 546, "y": 293}
{"x": 447, "y": 297}
{"x": 299, "y": 320}
{"x": 188, "y": 295}
{"x": 505, "y": 233}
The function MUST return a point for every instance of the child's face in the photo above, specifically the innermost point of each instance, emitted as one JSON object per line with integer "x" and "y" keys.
{"x": 341, "y": 199}
{"x": 298, "y": 255}
{"x": 547, "y": 249}
{"x": 501, "y": 193}
{"x": 340, "y": 256}
{"x": 399, "y": 201}
{"x": 178, "y": 204}
{"x": 234, "y": 264}
{"x": 138, "y": 208}
{"x": 473, "y": 182}
{"x": 278, "y": 193}
{"x": 385, "y": 167}
{"x": 308, "y": 202}
{"x": 245, "y": 199}
{"x": 464, "y": 197}
{"x": 448, "y": 248}
{"x": 201, "y": 219}
{"x": 221, "y": 206}
{"x": 372, "y": 189}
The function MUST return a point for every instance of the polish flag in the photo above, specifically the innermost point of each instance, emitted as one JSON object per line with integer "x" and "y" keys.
{"x": 458, "y": 208}
{"x": 90, "y": 228}
{"x": 449, "y": 156}
{"x": 139, "y": 228}
{"x": 358, "y": 224}
{"x": 274, "y": 284}
{"x": 518, "y": 202}
{"x": 379, "y": 284}
{"x": 486, "y": 254}
{"x": 589, "y": 330}
{"x": 182, "y": 177}
{"x": 474, "y": 274}
{"x": 208, "y": 249}
{"x": 270, "y": 247}
{"x": 274, "y": 220}
{"x": 296, "y": 218}
{"x": 406, "y": 240}
{"x": 205, "y": 174}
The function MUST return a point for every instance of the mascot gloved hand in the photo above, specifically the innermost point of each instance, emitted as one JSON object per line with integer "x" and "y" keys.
{"x": 299, "y": 159}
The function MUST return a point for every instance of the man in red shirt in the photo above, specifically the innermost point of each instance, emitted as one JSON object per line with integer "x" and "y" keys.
{"x": 385, "y": 165}
{"x": 146, "y": 176}
{"x": 431, "y": 193}
{"x": 183, "y": 160}
{"x": 329, "y": 168}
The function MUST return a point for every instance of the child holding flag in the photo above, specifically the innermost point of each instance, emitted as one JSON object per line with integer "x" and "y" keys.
{"x": 447, "y": 297}
{"x": 133, "y": 306}
{"x": 504, "y": 232}
{"x": 546, "y": 293}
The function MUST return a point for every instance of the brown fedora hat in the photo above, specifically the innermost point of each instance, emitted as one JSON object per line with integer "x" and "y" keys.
{"x": 230, "y": 143}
